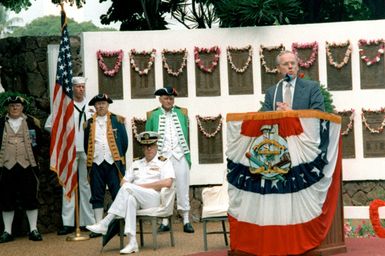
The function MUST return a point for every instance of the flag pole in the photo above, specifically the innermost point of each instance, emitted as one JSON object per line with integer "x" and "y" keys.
{"x": 77, "y": 236}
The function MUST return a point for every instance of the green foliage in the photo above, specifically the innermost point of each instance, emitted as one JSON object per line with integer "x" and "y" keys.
{"x": 51, "y": 25}
{"x": 240, "y": 13}
{"x": 6, "y": 24}
{"x": 328, "y": 101}
{"x": 28, "y": 109}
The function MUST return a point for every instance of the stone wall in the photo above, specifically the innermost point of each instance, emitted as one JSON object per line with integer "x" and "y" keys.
{"x": 24, "y": 69}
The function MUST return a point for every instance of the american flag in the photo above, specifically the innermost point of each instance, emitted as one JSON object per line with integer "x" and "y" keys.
{"x": 62, "y": 150}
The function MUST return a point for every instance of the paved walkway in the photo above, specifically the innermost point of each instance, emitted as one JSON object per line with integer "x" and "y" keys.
{"x": 53, "y": 245}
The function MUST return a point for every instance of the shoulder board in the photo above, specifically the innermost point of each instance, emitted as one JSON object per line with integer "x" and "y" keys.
{"x": 136, "y": 159}
{"x": 162, "y": 158}
{"x": 35, "y": 121}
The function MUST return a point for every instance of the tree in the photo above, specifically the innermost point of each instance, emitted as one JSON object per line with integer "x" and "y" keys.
{"x": 6, "y": 25}
{"x": 50, "y": 26}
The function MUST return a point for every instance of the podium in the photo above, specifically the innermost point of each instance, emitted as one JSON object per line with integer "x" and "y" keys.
{"x": 284, "y": 174}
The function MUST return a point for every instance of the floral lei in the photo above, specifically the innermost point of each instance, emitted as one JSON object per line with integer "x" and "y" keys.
{"x": 262, "y": 57}
{"x": 351, "y": 121}
{"x": 313, "y": 55}
{"x": 380, "y": 51}
{"x": 346, "y": 56}
{"x": 248, "y": 61}
{"x": 209, "y": 118}
{"x": 200, "y": 63}
{"x": 375, "y": 217}
{"x": 135, "y": 128}
{"x": 168, "y": 68}
{"x": 149, "y": 64}
{"x": 373, "y": 130}
{"x": 103, "y": 66}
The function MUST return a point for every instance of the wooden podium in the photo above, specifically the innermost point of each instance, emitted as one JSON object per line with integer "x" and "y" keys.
{"x": 333, "y": 243}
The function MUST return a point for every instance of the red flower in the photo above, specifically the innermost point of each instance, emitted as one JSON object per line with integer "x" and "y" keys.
{"x": 375, "y": 218}
{"x": 301, "y": 75}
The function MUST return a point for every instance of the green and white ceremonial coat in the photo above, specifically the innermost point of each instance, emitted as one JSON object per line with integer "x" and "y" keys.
{"x": 156, "y": 121}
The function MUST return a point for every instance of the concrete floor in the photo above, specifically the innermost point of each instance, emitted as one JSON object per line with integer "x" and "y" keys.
{"x": 53, "y": 245}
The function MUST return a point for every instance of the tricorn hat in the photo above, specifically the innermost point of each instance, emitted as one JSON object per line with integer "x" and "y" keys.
{"x": 168, "y": 90}
{"x": 100, "y": 97}
{"x": 79, "y": 80}
{"x": 15, "y": 99}
{"x": 147, "y": 137}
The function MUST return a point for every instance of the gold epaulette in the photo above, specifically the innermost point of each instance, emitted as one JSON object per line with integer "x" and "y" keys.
{"x": 121, "y": 119}
{"x": 136, "y": 159}
{"x": 35, "y": 121}
{"x": 183, "y": 110}
{"x": 148, "y": 113}
{"x": 162, "y": 158}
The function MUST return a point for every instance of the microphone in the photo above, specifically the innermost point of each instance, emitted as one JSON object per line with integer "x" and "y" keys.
{"x": 288, "y": 78}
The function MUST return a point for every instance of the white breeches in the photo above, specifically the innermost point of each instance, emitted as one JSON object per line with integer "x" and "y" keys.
{"x": 86, "y": 214}
{"x": 130, "y": 198}
{"x": 182, "y": 177}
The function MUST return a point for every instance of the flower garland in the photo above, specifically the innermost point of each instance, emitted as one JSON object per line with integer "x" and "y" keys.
{"x": 135, "y": 128}
{"x": 146, "y": 70}
{"x": 200, "y": 63}
{"x": 209, "y": 118}
{"x": 182, "y": 66}
{"x": 373, "y": 130}
{"x": 109, "y": 72}
{"x": 313, "y": 55}
{"x": 346, "y": 56}
{"x": 351, "y": 121}
{"x": 262, "y": 57}
{"x": 376, "y": 58}
{"x": 375, "y": 217}
{"x": 248, "y": 61}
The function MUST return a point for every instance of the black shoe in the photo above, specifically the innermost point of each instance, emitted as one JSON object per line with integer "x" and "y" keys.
{"x": 35, "y": 235}
{"x": 163, "y": 228}
{"x": 187, "y": 228}
{"x": 65, "y": 230}
{"x": 94, "y": 235}
{"x": 83, "y": 228}
{"x": 6, "y": 237}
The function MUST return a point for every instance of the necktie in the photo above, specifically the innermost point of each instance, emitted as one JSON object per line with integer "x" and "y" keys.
{"x": 81, "y": 114}
{"x": 287, "y": 95}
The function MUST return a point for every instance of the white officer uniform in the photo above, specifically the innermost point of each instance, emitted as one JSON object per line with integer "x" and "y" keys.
{"x": 86, "y": 214}
{"x": 131, "y": 196}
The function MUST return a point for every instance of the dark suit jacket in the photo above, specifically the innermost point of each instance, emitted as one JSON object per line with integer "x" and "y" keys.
{"x": 307, "y": 95}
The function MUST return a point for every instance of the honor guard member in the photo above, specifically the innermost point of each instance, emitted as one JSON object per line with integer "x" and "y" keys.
{"x": 140, "y": 189}
{"x": 171, "y": 122}
{"x": 19, "y": 183}
{"x": 81, "y": 114}
{"x": 105, "y": 142}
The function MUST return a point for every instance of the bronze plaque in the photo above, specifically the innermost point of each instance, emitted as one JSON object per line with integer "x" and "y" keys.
{"x": 207, "y": 84}
{"x": 372, "y": 77}
{"x": 240, "y": 82}
{"x": 112, "y": 86}
{"x": 269, "y": 79}
{"x": 339, "y": 79}
{"x": 374, "y": 143}
{"x": 312, "y": 71}
{"x": 179, "y": 82}
{"x": 142, "y": 86}
{"x": 210, "y": 147}
{"x": 138, "y": 126}
{"x": 348, "y": 142}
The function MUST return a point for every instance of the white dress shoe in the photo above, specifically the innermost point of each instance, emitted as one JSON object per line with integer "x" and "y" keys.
{"x": 97, "y": 228}
{"x": 130, "y": 248}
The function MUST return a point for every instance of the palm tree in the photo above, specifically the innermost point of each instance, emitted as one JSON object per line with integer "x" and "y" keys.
{"x": 7, "y": 25}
